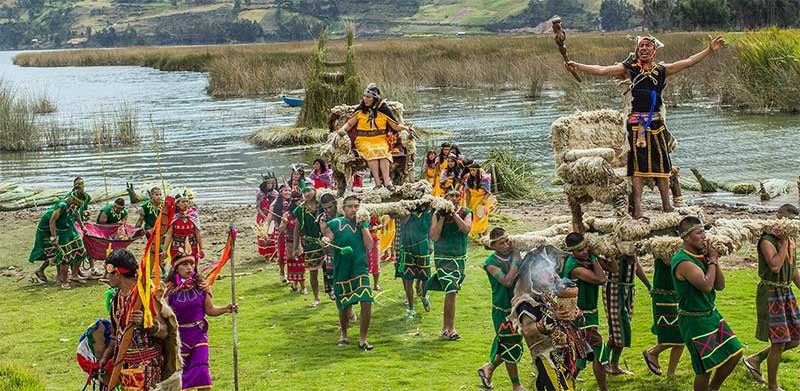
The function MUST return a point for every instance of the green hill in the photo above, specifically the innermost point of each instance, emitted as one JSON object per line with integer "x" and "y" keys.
{"x": 63, "y": 23}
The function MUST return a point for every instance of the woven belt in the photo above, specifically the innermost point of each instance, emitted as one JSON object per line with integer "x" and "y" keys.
{"x": 774, "y": 284}
{"x": 198, "y": 323}
{"x": 133, "y": 356}
{"x": 635, "y": 115}
{"x": 657, "y": 291}
{"x": 693, "y": 314}
{"x": 508, "y": 310}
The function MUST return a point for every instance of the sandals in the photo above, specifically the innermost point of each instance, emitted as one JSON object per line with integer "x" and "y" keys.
{"x": 66, "y": 286}
{"x": 450, "y": 336}
{"x": 41, "y": 276}
{"x": 391, "y": 187}
{"x": 652, "y": 366}
{"x": 485, "y": 383}
{"x": 754, "y": 372}
{"x": 342, "y": 342}
{"x": 366, "y": 346}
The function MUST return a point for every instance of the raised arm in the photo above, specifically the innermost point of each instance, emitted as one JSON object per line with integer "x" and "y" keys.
{"x": 366, "y": 236}
{"x": 506, "y": 280}
{"x": 714, "y": 44}
{"x": 598, "y": 70}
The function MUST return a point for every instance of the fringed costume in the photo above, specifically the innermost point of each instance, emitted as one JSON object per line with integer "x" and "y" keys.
{"x": 351, "y": 278}
{"x": 295, "y": 263}
{"x": 707, "y": 336}
{"x": 649, "y": 140}
{"x": 149, "y": 362}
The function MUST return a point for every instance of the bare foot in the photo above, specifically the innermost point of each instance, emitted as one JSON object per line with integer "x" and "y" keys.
{"x": 668, "y": 209}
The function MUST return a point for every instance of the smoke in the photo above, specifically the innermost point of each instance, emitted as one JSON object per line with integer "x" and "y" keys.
{"x": 541, "y": 267}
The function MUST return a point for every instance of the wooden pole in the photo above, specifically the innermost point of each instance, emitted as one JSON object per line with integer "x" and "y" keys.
{"x": 102, "y": 161}
{"x": 233, "y": 314}
{"x": 560, "y": 37}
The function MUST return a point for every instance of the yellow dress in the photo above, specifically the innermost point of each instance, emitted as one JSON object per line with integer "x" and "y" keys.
{"x": 482, "y": 205}
{"x": 438, "y": 191}
{"x": 371, "y": 141}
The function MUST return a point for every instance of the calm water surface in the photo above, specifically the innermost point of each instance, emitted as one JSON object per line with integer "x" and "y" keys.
{"x": 204, "y": 148}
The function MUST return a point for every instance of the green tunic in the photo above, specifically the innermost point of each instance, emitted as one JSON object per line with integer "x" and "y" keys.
{"x": 84, "y": 206}
{"x": 449, "y": 256}
{"x": 149, "y": 214}
{"x": 308, "y": 223}
{"x": 70, "y": 245}
{"x": 775, "y": 301}
{"x": 709, "y": 339}
{"x": 414, "y": 257}
{"x": 588, "y": 295}
{"x": 665, "y": 305}
{"x": 350, "y": 276}
{"x": 507, "y": 342}
{"x": 113, "y": 217}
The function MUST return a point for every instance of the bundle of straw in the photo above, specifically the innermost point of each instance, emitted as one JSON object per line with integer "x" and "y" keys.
{"x": 514, "y": 177}
{"x": 587, "y": 170}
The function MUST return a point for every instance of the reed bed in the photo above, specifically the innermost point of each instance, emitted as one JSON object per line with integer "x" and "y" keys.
{"x": 22, "y": 128}
{"x": 513, "y": 176}
{"x": 760, "y": 72}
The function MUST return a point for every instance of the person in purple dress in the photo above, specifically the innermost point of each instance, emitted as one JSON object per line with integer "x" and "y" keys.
{"x": 190, "y": 298}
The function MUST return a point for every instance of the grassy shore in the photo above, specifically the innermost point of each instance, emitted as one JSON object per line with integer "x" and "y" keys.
{"x": 285, "y": 344}
{"x": 743, "y": 76}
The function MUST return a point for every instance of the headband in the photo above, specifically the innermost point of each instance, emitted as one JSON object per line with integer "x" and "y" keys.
{"x": 690, "y": 230}
{"x": 578, "y": 246}
{"x": 504, "y": 236}
{"x": 119, "y": 269}
{"x": 372, "y": 90}
{"x": 650, "y": 38}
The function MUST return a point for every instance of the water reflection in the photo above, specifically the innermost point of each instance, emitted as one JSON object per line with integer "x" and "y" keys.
{"x": 204, "y": 147}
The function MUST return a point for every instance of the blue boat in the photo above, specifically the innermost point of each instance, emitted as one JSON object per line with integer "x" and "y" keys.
{"x": 293, "y": 102}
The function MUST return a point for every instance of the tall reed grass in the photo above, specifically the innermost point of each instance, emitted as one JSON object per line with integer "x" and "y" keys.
{"x": 759, "y": 71}
{"x": 23, "y": 129}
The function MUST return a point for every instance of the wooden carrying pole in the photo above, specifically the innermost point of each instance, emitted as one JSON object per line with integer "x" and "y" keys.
{"x": 233, "y": 314}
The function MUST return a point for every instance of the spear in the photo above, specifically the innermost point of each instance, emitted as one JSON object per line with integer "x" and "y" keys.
{"x": 560, "y": 37}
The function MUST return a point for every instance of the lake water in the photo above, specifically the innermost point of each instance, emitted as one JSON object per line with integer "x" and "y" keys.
{"x": 203, "y": 147}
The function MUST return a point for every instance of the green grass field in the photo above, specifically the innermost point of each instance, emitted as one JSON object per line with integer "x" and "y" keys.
{"x": 285, "y": 344}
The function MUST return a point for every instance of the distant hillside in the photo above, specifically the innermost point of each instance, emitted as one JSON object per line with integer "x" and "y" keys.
{"x": 60, "y": 23}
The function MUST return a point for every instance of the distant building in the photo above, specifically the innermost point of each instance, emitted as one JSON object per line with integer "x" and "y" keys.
{"x": 461, "y": 33}
{"x": 77, "y": 41}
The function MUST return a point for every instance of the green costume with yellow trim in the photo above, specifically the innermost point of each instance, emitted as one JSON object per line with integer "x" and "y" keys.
{"x": 665, "y": 305}
{"x": 69, "y": 248}
{"x": 709, "y": 339}
{"x": 113, "y": 217}
{"x": 450, "y": 257}
{"x": 350, "y": 276}
{"x": 414, "y": 257}
{"x": 308, "y": 223}
{"x": 507, "y": 343}
{"x": 149, "y": 214}
{"x": 588, "y": 295}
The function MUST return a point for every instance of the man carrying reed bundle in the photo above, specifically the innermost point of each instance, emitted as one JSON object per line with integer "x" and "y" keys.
{"x": 501, "y": 268}
{"x": 618, "y": 293}
{"x": 697, "y": 276}
{"x": 330, "y": 211}
{"x": 776, "y": 306}
{"x": 665, "y": 320}
{"x": 649, "y": 140}
{"x": 588, "y": 272}
{"x": 58, "y": 242}
{"x": 414, "y": 256}
{"x": 307, "y": 238}
{"x": 449, "y": 235}
{"x": 351, "y": 241}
